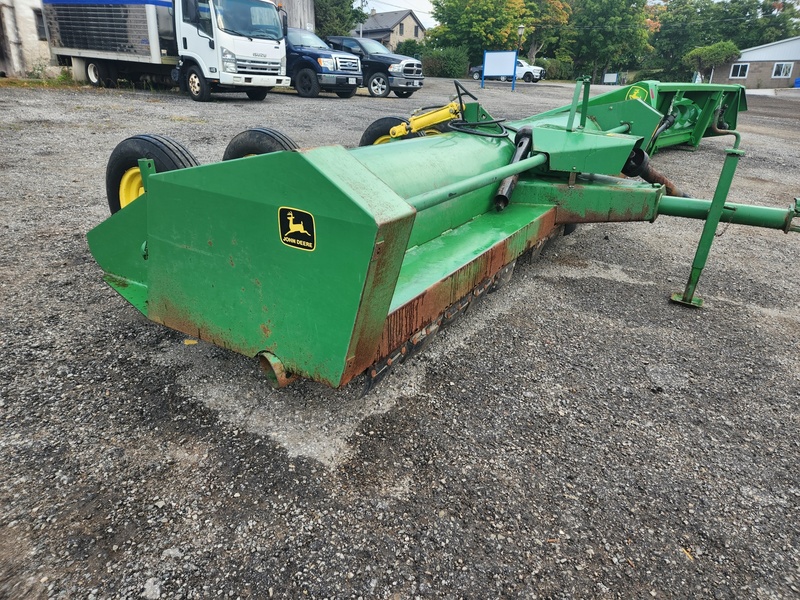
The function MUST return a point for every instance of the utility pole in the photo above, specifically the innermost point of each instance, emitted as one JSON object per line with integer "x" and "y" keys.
{"x": 361, "y": 25}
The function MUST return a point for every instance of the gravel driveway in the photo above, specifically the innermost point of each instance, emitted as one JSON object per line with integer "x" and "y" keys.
{"x": 574, "y": 436}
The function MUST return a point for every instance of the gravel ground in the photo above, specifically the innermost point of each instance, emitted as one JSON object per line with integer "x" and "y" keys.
{"x": 574, "y": 436}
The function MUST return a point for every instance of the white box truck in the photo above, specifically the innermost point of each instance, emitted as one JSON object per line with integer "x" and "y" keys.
{"x": 203, "y": 46}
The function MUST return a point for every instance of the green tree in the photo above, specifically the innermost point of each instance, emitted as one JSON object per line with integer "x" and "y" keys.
{"x": 476, "y": 25}
{"x": 609, "y": 33}
{"x": 544, "y": 22}
{"x": 410, "y": 48}
{"x": 680, "y": 28}
{"x": 704, "y": 59}
{"x": 337, "y": 17}
{"x": 750, "y": 23}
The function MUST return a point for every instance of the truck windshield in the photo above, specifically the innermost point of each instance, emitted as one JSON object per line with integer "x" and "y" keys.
{"x": 373, "y": 46}
{"x": 306, "y": 39}
{"x": 248, "y": 18}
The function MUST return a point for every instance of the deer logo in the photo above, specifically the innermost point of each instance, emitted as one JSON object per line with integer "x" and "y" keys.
{"x": 296, "y": 228}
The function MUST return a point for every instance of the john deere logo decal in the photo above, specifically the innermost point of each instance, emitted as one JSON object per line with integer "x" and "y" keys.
{"x": 636, "y": 93}
{"x": 297, "y": 228}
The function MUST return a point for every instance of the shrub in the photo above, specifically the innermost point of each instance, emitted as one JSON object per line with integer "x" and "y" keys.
{"x": 557, "y": 68}
{"x": 410, "y": 48}
{"x": 445, "y": 62}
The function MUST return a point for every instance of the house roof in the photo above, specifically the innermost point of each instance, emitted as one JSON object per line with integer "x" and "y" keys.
{"x": 788, "y": 49}
{"x": 386, "y": 21}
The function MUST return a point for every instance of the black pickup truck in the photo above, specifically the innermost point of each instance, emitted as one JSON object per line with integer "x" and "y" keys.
{"x": 384, "y": 72}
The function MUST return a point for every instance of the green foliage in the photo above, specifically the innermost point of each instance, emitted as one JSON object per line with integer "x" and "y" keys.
{"x": 705, "y": 58}
{"x": 337, "y": 17}
{"x": 611, "y": 34}
{"x": 594, "y": 36}
{"x": 65, "y": 77}
{"x": 647, "y": 74}
{"x": 477, "y": 26}
{"x": 410, "y": 48}
{"x": 445, "y": 62}
{"x": 686, "y": 25}
{"x": 545, "y": 24}
{"x": 750, "y": 23}
{"x": 557, "y": 68}
{"x": 38, "y": 70}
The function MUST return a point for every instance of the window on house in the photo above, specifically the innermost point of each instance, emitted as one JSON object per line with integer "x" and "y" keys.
{"x": 416, "y": 31}
{"x": 782, "y": 70}
{"x": 739, "y": 71}
{"x": 37, "y": 13}
{"x": 400, "y": 30}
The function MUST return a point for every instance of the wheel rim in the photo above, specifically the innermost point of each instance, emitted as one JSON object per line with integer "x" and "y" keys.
{"x": 476, "y": 75}
{"x": 378, "y": 85}
{"x": 193, "y": 82}
{"x": 93, "y": 72}
{"x": 130, "y": 186}
{"x": 302, "y": 83}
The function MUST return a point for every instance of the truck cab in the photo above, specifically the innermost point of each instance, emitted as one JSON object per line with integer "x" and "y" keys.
{"x": 384, "y": 71}
{"x": 230, "y": 45}
{"x": 202, "y": 45}
{"x": 314, "y": 66}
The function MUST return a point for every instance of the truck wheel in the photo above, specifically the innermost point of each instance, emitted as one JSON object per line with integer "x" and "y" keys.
{"x": 123, "y": 178}
{"x": 403, "y": 93}
{"x": 527, "y": 78}
{"x": 476, "y": 75}
{"x": 306, "y": 83}
{"x": 347, "y": 94}
{"x": 257, "y": 94}
{"x": 378, "y": 85}
{"x": 197, "y": 85}
{"x": 97, "y": 73}
{"x": 378, "y": 131}
{"x": 261, "y": 140}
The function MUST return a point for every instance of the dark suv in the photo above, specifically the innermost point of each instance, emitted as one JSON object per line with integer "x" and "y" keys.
{"x": 314, "y": 67}
{"x": 383, "y": 71}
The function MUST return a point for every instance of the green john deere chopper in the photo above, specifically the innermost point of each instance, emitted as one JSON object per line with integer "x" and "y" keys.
{"x": 360, "y": 266}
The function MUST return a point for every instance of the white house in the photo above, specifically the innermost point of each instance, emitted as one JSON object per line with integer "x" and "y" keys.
{"x": 775, "y": 65}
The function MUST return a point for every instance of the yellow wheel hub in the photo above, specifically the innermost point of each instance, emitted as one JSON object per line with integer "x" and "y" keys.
{"x": 130, "y": 186}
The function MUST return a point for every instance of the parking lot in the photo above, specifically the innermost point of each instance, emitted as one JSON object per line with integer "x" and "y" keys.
{"x": 574, "y": 436}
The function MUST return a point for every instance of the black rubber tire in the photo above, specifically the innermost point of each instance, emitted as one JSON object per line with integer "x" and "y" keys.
{"x": 476, "y": 75}
{"x": 535, "y": 80}
{"x": 257, "y": 94}
{"x": 306, "y": 83}
{"x": 166, "y": 154}
{"x": 197, "y": 86}
{"x": 527, "y": 78}
{"x": 503, "y": 78}
{"x": 378, "y": 85}
{"x": 404, "y": 93}
{"x": 347, "y": 94}
{"x": 378, "y": 131}
{"x": 97, "y": 73}
{"x": 260, "y": 140}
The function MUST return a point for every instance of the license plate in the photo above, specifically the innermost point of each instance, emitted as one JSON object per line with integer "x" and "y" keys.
{"x": 415, "y": 83}
{"x": 351, "y": 80}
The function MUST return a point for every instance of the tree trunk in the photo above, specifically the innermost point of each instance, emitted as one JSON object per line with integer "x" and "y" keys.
{"x": 534, "y": 50}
